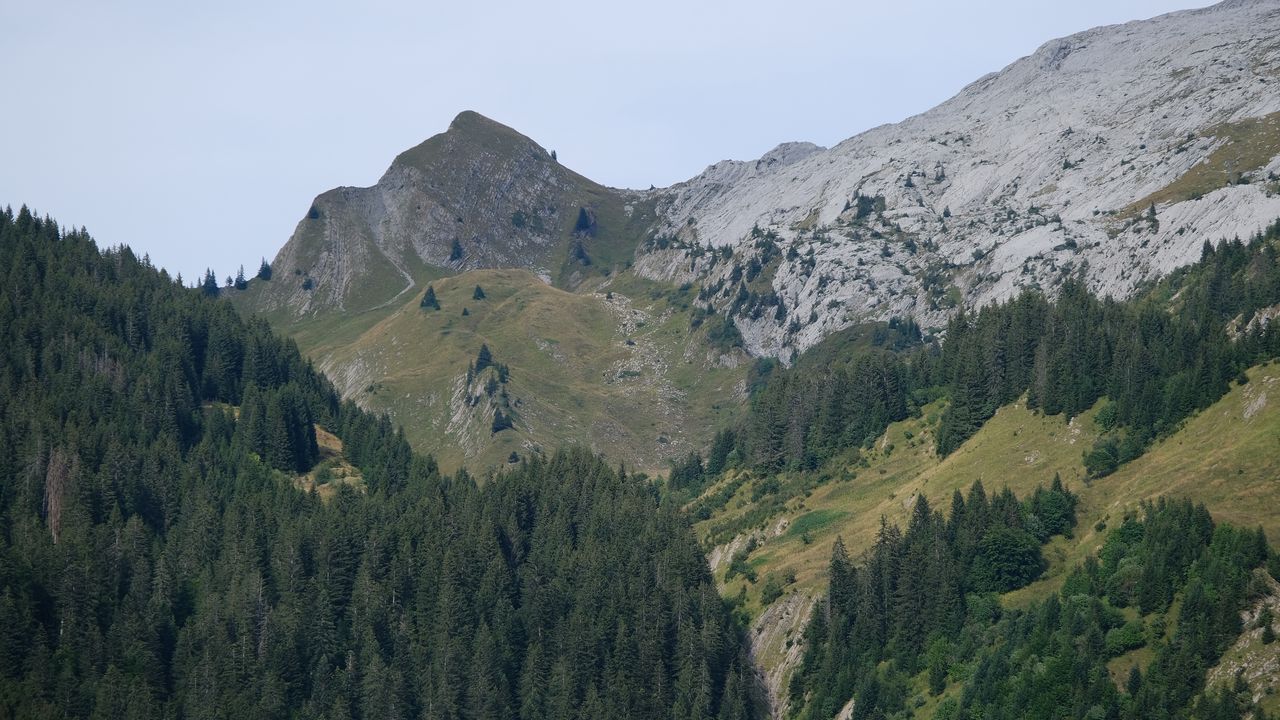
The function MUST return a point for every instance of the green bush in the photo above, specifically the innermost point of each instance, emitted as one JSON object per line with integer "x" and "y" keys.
{"x": 1130, "y": 636}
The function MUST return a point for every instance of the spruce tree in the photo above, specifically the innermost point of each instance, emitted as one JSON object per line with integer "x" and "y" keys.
{"x": 429, "y": 301}
{"x": 210, "y": 285}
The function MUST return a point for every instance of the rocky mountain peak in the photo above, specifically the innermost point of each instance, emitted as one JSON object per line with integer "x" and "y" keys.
{"x": 470, "y": 137}
{"x": 479, "y": 195}
{"x": 789, "y": 152}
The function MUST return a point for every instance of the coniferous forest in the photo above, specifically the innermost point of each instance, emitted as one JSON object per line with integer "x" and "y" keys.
{"x": 157, "y": 558}
{"x": 161, "y": 554}
{"x": 922, "y": 602}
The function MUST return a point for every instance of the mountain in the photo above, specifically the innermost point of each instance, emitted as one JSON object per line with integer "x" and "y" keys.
{"x": 1110, "y": 155}
{"x": 596, "y": 355}
{"x": 1047, "y": 168}
{"x": 479, "y": 195}
{"x": 1126, "y": 403}
{"x": 969, "y": 416}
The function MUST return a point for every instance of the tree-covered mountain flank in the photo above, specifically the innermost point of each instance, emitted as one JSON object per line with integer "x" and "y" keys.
{"x": 917, "y": 606}
{"x": 159, "y": 559}
{"x": 871, "y": 420}
{"x": 1156, "y": 359}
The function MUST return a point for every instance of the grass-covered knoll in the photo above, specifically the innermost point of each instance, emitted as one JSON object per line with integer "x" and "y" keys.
{"x": 1017, "y": 448}
{"x": 617, "y": 369}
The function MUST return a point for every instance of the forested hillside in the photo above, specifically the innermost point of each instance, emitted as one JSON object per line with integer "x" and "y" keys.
{"x": 157, "y": 559}
{"x": 867, "y": 423}
{"x": 922, "y": 603}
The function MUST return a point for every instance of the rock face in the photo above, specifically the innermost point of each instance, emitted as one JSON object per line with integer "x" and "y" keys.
{"x": 1114, "y": 153}
{"x": 1044, "y": 169}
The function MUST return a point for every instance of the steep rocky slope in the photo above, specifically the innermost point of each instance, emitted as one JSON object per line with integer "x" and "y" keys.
{"x": 1050, "y": 166}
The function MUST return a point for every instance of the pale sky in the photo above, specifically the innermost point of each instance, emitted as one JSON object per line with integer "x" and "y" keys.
{"x": 200, "y": 132}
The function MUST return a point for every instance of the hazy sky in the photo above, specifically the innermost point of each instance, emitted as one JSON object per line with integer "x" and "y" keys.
{"x": 199, "y": 132}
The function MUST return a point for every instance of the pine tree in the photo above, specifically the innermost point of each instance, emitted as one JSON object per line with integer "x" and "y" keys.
{"x": 578, "y": 252}
{"x": 264, "y": 270}
{"x": 586, "y": 222}
{"x": 484, "y": 359}
{"x": 429, "y": 301}
{"x": 1134, "y": 683}
{"x": 280, "y": 452}
{"x": 478, "y": 293}
{"x": 210, "y": 285}
{"x": 718, "y": 456}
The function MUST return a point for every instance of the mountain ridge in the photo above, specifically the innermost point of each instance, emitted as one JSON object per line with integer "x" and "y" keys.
{"x": 1037, "y": 141}
{"x": 1111, "y": 155}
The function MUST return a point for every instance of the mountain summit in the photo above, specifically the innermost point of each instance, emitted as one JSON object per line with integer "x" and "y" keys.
{"x": 479, "y": 195}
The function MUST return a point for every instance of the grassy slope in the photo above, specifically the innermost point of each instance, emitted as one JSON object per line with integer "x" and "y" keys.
{"x": 1246, "y": 146}
{"x": 577, "y": 379}
{"x": 574, "y": 377}
{"x": 333, "y": 470}
{"x": 1227, "y": 457}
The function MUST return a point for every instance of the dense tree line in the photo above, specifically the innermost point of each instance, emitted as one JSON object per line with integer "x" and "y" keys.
{"x": 910, "y": 617}
{"x": 157, "y": 559}
{"x": 1157, "y": 359}
{"x": 886, "y": 620}
{"x": 1172, "y": 350}
{"x": 832, "y": 400}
